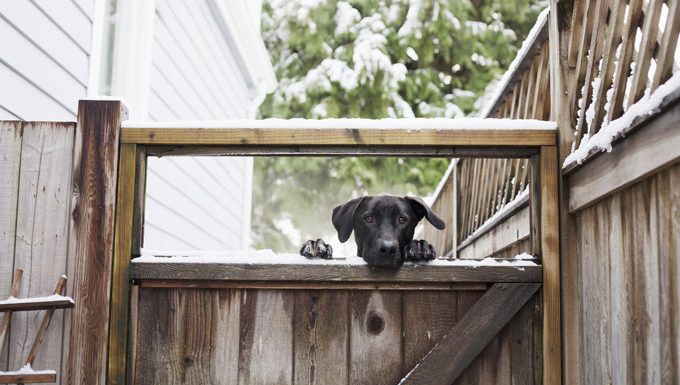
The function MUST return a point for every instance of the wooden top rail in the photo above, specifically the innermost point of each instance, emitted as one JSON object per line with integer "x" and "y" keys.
{"x": 286, "y": 271}
{"x": 468, "y": 132}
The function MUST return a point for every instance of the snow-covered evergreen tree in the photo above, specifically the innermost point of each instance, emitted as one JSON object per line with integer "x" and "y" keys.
{"x": 371, "y": 59}
{"x": 374, "y": 59}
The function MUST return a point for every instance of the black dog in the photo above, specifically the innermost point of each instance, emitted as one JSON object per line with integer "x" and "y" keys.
{"x": 383, "y": 228}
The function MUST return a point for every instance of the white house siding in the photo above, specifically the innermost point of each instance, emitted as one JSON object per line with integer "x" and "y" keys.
{"x": 44, "y": 57}
{"x": 197, "y": 202}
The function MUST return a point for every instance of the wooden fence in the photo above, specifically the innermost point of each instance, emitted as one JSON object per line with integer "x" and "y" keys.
{"x": 316, "y": 332}
{"x": 272, "y": 302}
{"x": 617, "y": 53}
{"x": 57, "y": 189}
{"x": 616, "y": 101}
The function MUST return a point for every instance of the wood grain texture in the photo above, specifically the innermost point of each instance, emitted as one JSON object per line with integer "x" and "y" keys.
{"x": 27, "y": 378}
{"x": 628, "y": 257}
{"x": 467, "y": 339}
{"x": 466, "y": 301}
{"x": 422, "y": 273}
{"x": 10, "y": 159}
{"x": 339, "y": 136}
{"x": 266, "y": 342}
{"x": 644, "y": 153}
{"x": 7, "y": 318}
{"x": 504, "y": 234}
{"x": 433, "y": 151}
{"x": 188, "y": 337}
{"x": 29, "y": 305}
{"x": 289, "y": 285}
{"x": 550, "y": 256}
{"x": 428, "y": 317}
{"x": 91, "y": 246}
{"x": 122, "y": 250}
{"x": 41, "y": 243}
{"x": 321, "y": 337}
{"x": 375, "y": 338}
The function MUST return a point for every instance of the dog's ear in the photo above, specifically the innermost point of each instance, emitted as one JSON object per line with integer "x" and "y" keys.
{"x": 343, "y": 218}
{"x": 423, "y": 210}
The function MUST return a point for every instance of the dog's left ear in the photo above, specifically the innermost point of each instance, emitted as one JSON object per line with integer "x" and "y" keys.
{"x": 343, "y": 218}
{"x": 423, "y": 210}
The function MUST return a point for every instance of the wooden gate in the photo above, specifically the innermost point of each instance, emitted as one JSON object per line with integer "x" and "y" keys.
{"x": 267, "y": 323}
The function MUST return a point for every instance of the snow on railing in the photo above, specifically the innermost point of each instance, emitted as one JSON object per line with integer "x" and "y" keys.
{"x": 621, "y": 54}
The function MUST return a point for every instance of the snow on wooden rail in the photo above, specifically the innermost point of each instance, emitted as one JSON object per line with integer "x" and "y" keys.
{"x": 265, "y": 265}
{"x": 362, "y": 132}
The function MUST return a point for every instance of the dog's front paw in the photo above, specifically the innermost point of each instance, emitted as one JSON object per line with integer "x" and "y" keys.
{"x": 419, "y": 250}
{"x": 316, "y": 249}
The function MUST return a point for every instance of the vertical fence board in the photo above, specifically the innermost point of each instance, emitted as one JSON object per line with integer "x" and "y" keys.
{"x": 673, "y": 210}
{"x": 158, "y": 309}
{"x": 664, "y": 227}
{"x": 620, "y": 275}
{"x": 266, "y": 350}
{"x": 646, "y": 284}
{"x": 10, "y": 159}
{"x": 122, "y": 251}
{"x": 521, "y": 341}
{"x": 466, "y": 300}
{"x": 321, "y": 337}
{"x": 91, "y": 244}
{"x": 428, "y": 317}
{"x": 188, "y": 336}
{"x": 42, "y": 234}
{"x": 375, "y": 337}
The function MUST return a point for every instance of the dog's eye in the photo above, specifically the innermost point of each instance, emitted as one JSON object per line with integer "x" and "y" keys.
{"x": 369, "y": 218}
{"x": 401, "y": 220}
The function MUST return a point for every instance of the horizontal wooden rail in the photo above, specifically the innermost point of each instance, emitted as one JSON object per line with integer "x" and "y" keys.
{"x": 38, "y": 303}
{"x": 450, "y": 357}
{"x": 346, "y": 132}
{"x": 27, "y": 378}
{"x": 324, "y": 275}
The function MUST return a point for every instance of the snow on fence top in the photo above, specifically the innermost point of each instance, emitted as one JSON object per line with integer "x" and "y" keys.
{"x": 320, "y": 124}
{"x": 649, "y": 105}
{"x": 255, "y": 257}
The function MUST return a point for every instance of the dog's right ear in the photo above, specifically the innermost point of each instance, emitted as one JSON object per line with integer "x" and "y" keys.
{"x": 343, "y": 218}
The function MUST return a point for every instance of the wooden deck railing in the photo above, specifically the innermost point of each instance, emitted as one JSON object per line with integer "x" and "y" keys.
{"x": 620, "y": 53}
{"x": 486, "y": 186}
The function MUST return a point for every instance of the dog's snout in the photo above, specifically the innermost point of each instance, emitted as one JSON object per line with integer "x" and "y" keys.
{"x": 388, "y": 248}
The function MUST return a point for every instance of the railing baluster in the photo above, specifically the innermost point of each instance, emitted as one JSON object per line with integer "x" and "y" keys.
{"x": 643, "y": 57}
{"x": 630, "y": 25}
{"x": 611, "y": 41}
{"x": 667, "y": 46}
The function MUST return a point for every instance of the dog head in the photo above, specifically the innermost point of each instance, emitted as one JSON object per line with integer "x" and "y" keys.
{"x": 383, "y": 225}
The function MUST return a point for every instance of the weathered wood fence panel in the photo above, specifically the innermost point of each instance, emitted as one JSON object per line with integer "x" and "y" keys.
{"x": 629, "y": 271}
{"x": 321, "y": 336}
{"x": 54, "y": 200}
{"x": 35, "y": 175}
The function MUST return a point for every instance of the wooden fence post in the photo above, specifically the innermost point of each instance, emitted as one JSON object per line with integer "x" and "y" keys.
{"x": 95, "y": 178}
{"x": 562, "y": 36}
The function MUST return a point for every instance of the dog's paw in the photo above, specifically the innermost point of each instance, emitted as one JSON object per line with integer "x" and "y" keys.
{"x": 419, "y": 250}
{"x": 316, "y": 249}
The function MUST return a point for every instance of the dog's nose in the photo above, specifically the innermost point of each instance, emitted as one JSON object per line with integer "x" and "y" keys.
{"x": 388, "y": 248}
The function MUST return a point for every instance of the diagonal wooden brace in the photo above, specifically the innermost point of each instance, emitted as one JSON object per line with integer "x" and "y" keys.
{"x": 448, "y": 359}
{"x": 45, "y": 322}
{"x": 7, "y": 320}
